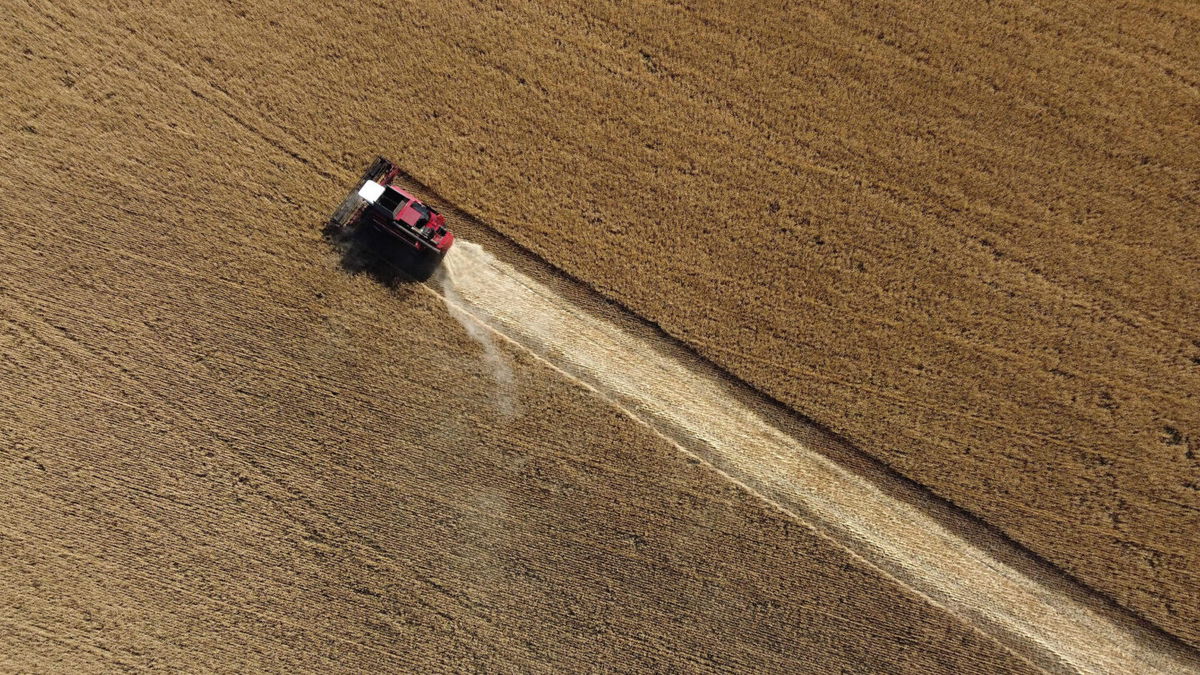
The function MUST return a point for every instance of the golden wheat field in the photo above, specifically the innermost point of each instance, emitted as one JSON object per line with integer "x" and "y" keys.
{"x": 946, "y": 253}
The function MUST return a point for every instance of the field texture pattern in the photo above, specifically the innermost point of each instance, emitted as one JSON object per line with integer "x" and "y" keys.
{"x": 965, "y": 237}
{"x": 223, "y": 453}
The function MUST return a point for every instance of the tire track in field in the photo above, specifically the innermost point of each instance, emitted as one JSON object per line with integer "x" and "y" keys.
{"x": 1034, "y": 611}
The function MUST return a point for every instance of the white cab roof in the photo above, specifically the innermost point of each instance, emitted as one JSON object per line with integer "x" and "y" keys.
{"x": 370, "y": 191}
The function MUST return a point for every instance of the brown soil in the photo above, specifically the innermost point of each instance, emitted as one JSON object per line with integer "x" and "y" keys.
{"x": 221, "y": 452}
{"x": 965, "y": 237}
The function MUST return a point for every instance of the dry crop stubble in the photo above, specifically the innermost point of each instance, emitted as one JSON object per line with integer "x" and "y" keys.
{"x": 217, "y": 452}
{"x": 964, "y": 239}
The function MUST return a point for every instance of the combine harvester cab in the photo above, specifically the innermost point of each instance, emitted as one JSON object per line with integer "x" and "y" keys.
{"x": 416, "y": 229}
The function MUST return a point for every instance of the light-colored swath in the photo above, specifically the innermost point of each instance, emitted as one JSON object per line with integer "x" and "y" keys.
{"x": 690, "y": 403}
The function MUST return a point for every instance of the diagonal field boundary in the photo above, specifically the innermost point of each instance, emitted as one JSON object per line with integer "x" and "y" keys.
{"x": 1036, "y": 612}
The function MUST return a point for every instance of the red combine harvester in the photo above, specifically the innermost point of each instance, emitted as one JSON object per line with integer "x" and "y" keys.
{"x": 418, "y": 229}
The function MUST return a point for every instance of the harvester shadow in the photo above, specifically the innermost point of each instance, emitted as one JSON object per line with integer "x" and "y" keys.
{"x": 365, "y": 250}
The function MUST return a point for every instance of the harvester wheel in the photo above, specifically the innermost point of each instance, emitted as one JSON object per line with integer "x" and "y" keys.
{"x": 424, "y": 266}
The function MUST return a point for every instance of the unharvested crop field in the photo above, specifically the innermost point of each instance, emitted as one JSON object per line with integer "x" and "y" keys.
{"x": 966, "y": 238}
